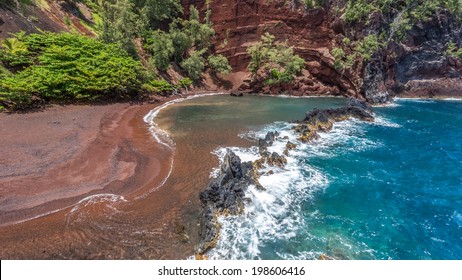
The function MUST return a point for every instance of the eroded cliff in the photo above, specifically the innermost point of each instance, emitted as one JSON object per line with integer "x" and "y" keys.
{"x": 418, "y": 65}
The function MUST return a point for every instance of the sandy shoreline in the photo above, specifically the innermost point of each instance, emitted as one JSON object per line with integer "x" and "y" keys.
{"x": 83, "y": 182}
{"x": 52, "y": 159}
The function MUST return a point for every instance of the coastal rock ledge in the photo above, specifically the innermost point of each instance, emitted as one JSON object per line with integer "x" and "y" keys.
{"x": 323, "y": 120}
{"x": 224, "y": 195}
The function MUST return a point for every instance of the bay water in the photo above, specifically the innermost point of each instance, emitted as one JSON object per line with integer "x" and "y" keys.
{"x": 391, "y": 189}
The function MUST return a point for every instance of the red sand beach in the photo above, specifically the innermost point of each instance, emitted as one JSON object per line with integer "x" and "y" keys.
{"x": 105, "y": 155}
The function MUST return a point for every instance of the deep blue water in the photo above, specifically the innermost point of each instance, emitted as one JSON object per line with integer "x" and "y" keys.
{"x": 389, "y": 190}
{"x": 400, "y": 198}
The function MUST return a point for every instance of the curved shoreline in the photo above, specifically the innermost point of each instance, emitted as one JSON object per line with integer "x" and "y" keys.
{"x": 131, "y": 139}
{"x": 136, "y": 194}
{"x": 157, "y": 132}
{"x": 57, "y": 158}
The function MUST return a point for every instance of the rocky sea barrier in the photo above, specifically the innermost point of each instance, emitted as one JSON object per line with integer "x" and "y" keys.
{"x": 225, "y": 194}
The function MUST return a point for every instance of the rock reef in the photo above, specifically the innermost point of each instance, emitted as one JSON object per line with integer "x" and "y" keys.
{"x": 225, "y": 194}
{"x": 323, "y": 120}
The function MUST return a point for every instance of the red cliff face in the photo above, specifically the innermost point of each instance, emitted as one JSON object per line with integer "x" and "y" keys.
{"x": 240, "y": 23}
{"x": 416, "y": 67}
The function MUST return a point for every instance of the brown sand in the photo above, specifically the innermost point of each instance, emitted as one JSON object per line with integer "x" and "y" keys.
{"x": 51, "y": 160}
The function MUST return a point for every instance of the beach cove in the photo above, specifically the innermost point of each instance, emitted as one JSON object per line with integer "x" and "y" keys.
{"x": 148, "y": 221}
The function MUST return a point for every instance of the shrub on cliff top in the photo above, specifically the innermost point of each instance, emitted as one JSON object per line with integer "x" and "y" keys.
{"x": 414, "y": 10}
{"x": 69, "y": 67}
{"x": 454, "y": 51}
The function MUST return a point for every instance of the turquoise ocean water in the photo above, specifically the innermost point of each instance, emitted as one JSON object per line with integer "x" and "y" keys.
{"x": 385, "y": 190}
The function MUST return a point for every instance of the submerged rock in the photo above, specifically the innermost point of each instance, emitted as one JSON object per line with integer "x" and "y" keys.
{"x": 224, "y": 195}
{"x": 289, "y": 146}
{"x": 237, "y": 94}
{"x": 266, "y": 142}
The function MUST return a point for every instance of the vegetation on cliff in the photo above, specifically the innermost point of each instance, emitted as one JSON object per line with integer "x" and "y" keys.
{"x": 64, "y": 67}
{"x": 454, "y": 51}
{"x": 409, "y": 11}
{"x": 137, "y": 43}
{"x": 273, "y": 62}
{"x": 396, "y": 19}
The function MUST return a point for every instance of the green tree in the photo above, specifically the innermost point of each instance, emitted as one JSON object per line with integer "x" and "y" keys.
{"x": 119, "y": 23}
{"x": 219, "y": 64}
{"x": 190, "y": 34}
{"x": 275, "y": 62}
{"x": 194, "y": 65}
{"x": 159, "y": 45}
{"x": 368, "y": 46}
{"x": 155, "y": 12}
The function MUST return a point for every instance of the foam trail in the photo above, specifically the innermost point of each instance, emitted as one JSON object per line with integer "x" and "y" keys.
{"x": 97, "y": 198}
{"x": 274, "y": 213}
{"x": 382, "y": 121}
{"x": 417, "y": 100}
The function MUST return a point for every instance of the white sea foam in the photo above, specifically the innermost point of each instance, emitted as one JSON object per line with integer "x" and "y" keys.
{"x": 110, "y": 199}
{"x": 387, "y": 105}
{"x": 106, "y": 203}
{"x": 276, "y": 212}
{"x": 382, "y": 121}
{"x": 38, "y": 216}
{"x": 418, "y": 100}
{"x": 452, "y": 99}
{"x": 160, "y": 135}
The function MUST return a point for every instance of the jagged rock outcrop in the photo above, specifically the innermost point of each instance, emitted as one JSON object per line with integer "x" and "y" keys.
{"x": 373, "y": 88}
{"x": 266, "y": 142}
{"x": 224, "y": 195}
{"x": 421, "y": 67}
{"x": 323, "y": 120}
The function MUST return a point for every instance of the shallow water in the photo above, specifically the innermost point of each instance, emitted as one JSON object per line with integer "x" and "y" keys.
{"x": 387, "y": 190}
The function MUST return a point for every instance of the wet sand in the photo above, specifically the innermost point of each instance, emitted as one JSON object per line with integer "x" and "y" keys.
{"x": 102, "y": 156}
